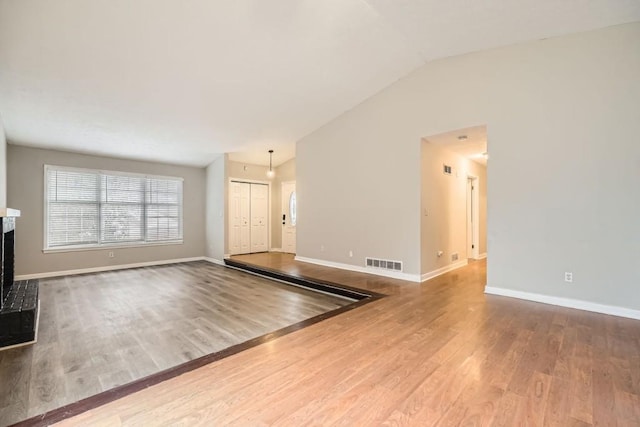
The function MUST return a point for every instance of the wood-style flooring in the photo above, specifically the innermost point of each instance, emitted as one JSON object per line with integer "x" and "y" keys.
{"x": 439, "y": 353}
{"x": 98, "y": 331}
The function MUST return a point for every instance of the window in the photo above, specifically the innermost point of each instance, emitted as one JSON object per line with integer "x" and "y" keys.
{"x": 293, "y": 212}
{"x": 87, "y": 208}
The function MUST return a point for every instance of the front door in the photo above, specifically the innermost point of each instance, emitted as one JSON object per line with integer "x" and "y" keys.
{"x": 289, "y": 217}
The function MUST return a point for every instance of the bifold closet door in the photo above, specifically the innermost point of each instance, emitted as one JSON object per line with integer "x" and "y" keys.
{"x": 259, "y": 217}
{"x": 248, "y": 218}
{"x": 239, "y": 211}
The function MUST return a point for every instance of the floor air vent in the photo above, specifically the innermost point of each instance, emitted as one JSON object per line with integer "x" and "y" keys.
{"x": 384, "y": 264}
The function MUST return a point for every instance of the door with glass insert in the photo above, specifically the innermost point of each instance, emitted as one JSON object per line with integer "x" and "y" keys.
{"x": 289, "y": 217}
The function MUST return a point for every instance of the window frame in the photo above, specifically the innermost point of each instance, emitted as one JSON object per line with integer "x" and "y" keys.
{"x": 110, "y": 245}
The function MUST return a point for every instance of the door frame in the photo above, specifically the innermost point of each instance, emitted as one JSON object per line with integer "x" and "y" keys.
{"x": 226, "y": 200}
{"x": 473, "y": 216}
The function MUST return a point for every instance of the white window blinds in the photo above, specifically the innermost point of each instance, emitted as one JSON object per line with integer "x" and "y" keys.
{"x": 163, "y": 201}
{"x": 122, "y": 209}
{"x": 73, "y": 205}
{"x": 95, "y": 208}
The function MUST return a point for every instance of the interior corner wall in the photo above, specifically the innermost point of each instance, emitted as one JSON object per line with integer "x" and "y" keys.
{"x": 216, "y": 189}
{"x": 284, "y": 173}
{"x": 444, "y": 207}
{"x": 561, "y": 115}
{"x": 25, "y": 173}
{"x": 3, "y": 167}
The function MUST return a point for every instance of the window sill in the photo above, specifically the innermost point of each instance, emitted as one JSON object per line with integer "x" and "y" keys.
{"x": 111, "y": 246}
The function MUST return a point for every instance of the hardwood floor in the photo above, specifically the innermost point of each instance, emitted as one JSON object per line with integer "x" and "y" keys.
{"x": 98, "y": 331}
{"x": 438, "y": 353}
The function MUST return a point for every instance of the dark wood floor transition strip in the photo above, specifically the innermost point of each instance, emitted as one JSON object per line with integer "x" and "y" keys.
{"x": 76, "y": 408}
{"x": 307, "y": 282}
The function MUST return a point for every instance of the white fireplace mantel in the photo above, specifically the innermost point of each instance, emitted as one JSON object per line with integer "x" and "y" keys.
{"x": 9, "y": 212}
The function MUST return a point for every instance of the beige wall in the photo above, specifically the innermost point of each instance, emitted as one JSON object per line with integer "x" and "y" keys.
{"x": 444, "y": 207}
{"x": 561, "y": 117}
{"x": 3, "y": 167}
{"x": 247, "y": 171}
{"x": 216, "y": 208}
{"x": 26, "y": 192}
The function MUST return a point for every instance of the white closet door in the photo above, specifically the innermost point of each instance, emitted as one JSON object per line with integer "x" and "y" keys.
{"x": 239, "y": 209}
{"x": 259, "y": 217}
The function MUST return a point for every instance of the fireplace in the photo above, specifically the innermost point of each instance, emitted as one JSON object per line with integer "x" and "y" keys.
{"x": 19, "y": 299}
{"x": 7, "y": 256}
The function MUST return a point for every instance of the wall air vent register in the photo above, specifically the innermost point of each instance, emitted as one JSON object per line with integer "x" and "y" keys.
{"x": 384, "y": 264}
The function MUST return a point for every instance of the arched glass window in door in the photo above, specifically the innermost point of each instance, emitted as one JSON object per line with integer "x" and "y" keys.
{"x": 292, "y": 208}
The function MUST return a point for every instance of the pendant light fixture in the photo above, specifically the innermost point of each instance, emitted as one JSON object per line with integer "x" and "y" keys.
{"x": 270, "y": 172}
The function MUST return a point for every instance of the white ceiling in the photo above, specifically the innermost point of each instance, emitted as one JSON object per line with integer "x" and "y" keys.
{"x": 183, "y": 81}
{"x": 473, "y": 147}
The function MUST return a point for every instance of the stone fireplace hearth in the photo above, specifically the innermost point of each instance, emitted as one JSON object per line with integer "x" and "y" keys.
{"x": 18, "y": 299}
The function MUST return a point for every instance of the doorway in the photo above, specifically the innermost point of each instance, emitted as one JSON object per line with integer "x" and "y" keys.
{"x": 289, "y": 217}
{"x": 453, "y": 199}
{"x": 248, "y": 217}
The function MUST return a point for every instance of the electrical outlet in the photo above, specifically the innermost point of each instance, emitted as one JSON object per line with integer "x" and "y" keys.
{"x": 350, "y": 254}
{"x": 321, "y": 248}
{"x": 568, "y": 277}
{"x": 454, "y": 257}
{"x": 111, "y": 255}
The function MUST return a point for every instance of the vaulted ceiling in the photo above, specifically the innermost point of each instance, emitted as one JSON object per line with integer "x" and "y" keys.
{"x": 183, "y": 81}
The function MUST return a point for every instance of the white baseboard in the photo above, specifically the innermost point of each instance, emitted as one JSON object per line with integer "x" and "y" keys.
{"x": 482, "y": 256}
{"x": 104, "y": 268}
{"x": 350, "y": 267}
{"x": 275, "y": 250}
{"x": 445, "y": 269}
{"x": 214, "y": 261}
{"x": 565, "y": 302}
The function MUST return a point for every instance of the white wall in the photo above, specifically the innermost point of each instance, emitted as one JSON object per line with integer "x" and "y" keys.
{"x": 562, "y": 120}
{"x": 216, "y": 209}
{"x": 3, "y": 167}
{"x": 359, "y": 190}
